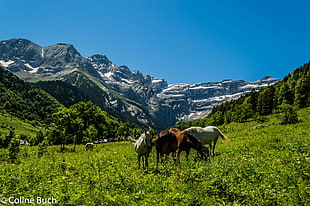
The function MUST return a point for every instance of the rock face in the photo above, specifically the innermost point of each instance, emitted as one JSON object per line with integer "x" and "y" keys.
{"x": 190, "y": 102}
{"x": 149, "y": 101}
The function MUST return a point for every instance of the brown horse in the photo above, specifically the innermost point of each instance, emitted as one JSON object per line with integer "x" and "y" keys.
{"x": 175, "y": 140}
{"x": 165, "y": 143}
{"x": 186, "y": 141}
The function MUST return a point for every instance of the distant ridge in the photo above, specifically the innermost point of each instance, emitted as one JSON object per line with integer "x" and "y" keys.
{"x": 147, "y": 101}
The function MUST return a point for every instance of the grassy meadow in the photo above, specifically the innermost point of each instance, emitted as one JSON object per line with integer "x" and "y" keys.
{"x": 7, "y": 121}
{"x": 260, "y": 166}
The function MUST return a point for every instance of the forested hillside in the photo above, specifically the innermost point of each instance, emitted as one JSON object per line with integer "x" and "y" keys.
{"x": 64, "y": 92}
{"x": 23, "y": 100}
{"x": 25, "y": 109}
{"x": 289, "y": 94}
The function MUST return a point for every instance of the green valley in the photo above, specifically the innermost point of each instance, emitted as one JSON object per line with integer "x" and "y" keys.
{"x": 262, "y": 165}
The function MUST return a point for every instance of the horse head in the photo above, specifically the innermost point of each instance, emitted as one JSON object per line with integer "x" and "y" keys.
{"x": 147, "y": 136}
{"x": 193, "y": 141}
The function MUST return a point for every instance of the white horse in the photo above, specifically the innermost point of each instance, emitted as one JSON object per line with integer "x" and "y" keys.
{"x": 208, "y": 135}
{"x": 143, "y": 147}
{"x": 89, "y": 145}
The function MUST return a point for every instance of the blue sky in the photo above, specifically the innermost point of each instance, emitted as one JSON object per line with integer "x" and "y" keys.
{"x": 180, "y": 41}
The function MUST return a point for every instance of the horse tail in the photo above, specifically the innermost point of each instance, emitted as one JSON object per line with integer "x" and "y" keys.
{"x": 226, "y": 140}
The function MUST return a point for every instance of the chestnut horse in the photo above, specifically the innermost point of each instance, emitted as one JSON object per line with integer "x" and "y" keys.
{"x": 166, "y": 142}
{"x": 175, "y": 140}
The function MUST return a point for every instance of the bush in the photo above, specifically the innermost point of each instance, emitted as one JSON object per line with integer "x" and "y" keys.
{"x": 42, "y": 147}
{"x": 14, "y": 148}
{"x": 6, "y": 139}
{"x": 289, "y": 114}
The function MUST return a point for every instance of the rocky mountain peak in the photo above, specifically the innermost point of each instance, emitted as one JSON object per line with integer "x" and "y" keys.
{"x": 100, "y": 60}
{"x": 61, "y": 52}
{"x": 18, "y": 42}
{"x": 15, "y": 49}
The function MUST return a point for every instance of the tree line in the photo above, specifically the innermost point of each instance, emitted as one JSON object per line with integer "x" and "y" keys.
{"x": 80, "y": 123}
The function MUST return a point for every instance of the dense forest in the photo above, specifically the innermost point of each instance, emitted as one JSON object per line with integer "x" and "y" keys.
{"x": 286, "y": 96}
{"x": 64, "y": 92}
{"x": 25, "y": 101}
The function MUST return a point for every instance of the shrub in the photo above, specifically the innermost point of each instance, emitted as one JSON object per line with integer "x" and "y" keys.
{"x": 289, "y": 114}
{"x": 14, "y": 148}
{"x": 42, "y": 147}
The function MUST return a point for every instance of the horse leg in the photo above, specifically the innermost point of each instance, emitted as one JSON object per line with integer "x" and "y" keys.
{"x": 163, "y": 158}
{"x": 143, "y": 161}
{"x": 139, "y": 157}
{"x": 210, "y": 151}
{"x": 201, "y": 154}
{"x": 214, "y": 143}
{"x": 206, "y": 151}
{"x": 175, "y": 157}
{"x": 157, "y": 159}
{"x": 178, "y": 157}
{"x": 146, "y": 161}
{"x": 187, "y": 154}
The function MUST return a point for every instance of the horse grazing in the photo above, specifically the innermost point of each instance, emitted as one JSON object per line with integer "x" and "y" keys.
{"x": 165, "y": 143}
{"x": 207, "y": 135}
{"x": 89, "y": 145}
{"x": 186, "y": 141}
{"x": 175, "y": 140}
{"x": 143, "y": 147}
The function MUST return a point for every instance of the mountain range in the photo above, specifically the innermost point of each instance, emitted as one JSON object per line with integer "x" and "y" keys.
{"x": 144, "y": 100}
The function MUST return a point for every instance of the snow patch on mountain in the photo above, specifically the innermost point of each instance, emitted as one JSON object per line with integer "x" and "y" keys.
{"x": 6, "y": 63}
{"x": 33, "y": 69}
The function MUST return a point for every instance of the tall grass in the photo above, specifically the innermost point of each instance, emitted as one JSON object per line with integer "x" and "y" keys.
{"x": 266, "y": 166}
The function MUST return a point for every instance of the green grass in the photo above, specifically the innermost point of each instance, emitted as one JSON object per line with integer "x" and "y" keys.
{"x": 7, "y": 121}
{"x": 267, "y": 166}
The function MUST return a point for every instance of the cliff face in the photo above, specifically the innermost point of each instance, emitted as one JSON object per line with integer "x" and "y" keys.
{"x": 190, "y": 102}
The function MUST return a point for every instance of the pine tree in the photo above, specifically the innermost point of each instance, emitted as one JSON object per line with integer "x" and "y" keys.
{"x": 285, "y": 94}
{"x": 267, "y": 100}
{"x": 243, "y": 113}
{"x": 302, "y": 92}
